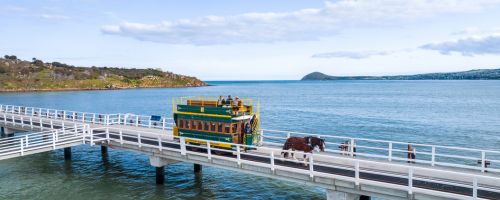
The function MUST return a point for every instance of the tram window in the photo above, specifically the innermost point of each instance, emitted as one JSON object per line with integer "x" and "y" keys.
{"x": 226, "y": 128}
{"x": 206, "y": 126}
{"x": 219, "y": 127}
{"x": 234, "y": 126}
{"x": 212, "y": 126}
{"x": 181, "y": 123}
{"x": 200, "y": 125}
{"x": 188, "y": 124}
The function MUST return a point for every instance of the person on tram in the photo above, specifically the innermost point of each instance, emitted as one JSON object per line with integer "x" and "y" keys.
{"x": 221, "y": 101}
{"x": 229, "y": 100}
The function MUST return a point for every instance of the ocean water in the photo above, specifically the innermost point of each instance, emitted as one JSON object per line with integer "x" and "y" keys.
{"x": 456, "y": 113}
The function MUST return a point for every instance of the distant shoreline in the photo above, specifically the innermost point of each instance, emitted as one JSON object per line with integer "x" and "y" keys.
{"x": 477, "y": 74}
{"x": 94, "y": 89}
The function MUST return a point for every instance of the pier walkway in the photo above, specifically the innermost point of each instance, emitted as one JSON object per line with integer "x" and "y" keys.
{"x": 370, "y": 167}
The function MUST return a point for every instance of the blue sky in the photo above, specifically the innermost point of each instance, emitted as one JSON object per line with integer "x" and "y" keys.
{"x": 258, "y": 39}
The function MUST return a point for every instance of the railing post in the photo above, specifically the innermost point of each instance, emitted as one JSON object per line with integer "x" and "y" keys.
{"x": 209, "y": 150}
{"x": 474, "y": 188}
{"x": 51, "y": 124}
{"x": 356, "y": 173}
{"x": 483, "y": 161}
{"x": 107, "y": 135}
{"x": 351, "y": 147}
{"x": 56, "y": 113}
{"x": 22, "y": 122}
{"x": 119, "y": 118}
{"x": 74, "y": 116}
{"x": 183, "y": 146}
{"x": 26, "y": 139}
{"x": 137, "y": 121}
{"x": 83, "y": 118}
{"x": 139, "y": 139}
{"x": 93, "y": 118}
{"x": 91, "y": 137}
{"x": 390, "y": 151}
{"x": 238, "y": 154}
{"x": 41, "y": 124}
{"x": 160, "y": 147}
{"x": 22, "y": 147}
{"x": 64, "y": 115}
{"x": 410, "y": 180}
{"x": 54, "y": 139}
{"x": 31, "y": 122}
{"x": 311, "y": 165}
{"x": 125, "y": 120}
{"x": 149, "y": 125}
{"x": 163, "y": 122}
{"x": 121, "y": 136}
{"x": 433, "y": 155}
{"x": 272, "y": 161}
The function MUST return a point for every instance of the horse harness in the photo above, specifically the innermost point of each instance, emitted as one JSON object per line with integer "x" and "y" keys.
{"x": 309, "y": 143}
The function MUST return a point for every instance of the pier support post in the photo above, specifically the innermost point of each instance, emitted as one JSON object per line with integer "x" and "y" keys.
{"x": 336, "y": 195}
{"x": 67, "y": 153}
{"x": 159, "y": 163}
{"x": 7, "y": 132}
{"x": 160, "y": 175}
{"x": 197, "y": 168}
{"x": 104, "y": 150}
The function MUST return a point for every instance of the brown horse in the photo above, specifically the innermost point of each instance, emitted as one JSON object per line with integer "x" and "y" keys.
{"x": 305, "y": 144}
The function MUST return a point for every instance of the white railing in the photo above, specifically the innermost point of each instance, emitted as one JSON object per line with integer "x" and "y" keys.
{"x": 20, "y": 145}
{"x": 472, "y": 181}
{"x": 128, "y": 119}
{"x": 431, "y": 155}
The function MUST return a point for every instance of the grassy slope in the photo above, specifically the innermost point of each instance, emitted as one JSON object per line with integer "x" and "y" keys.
{"x": 17, "y": 75}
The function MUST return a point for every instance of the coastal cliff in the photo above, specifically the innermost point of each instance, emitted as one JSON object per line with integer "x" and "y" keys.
{"x": 35, "y": 75}
{"x": 477, "y": 74}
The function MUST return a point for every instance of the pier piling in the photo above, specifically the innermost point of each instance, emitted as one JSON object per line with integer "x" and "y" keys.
{"x": 160, "y": 175}
{"x": 67, "y": 153}
{"x": 104, "y": 150}
{"x": 197, "y": 168}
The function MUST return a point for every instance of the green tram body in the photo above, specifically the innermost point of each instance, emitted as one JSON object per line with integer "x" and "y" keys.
{"x": 197, "y": 118}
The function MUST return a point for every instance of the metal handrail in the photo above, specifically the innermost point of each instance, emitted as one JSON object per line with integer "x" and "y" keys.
{"x": 470, "y": 180}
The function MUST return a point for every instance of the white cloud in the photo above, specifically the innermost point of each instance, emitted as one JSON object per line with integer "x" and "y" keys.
{"x": 54, "y": 17}
{"x": 469, "y": 46}
{"x": 306, "y": 24}
{"x": 352, "y": 54}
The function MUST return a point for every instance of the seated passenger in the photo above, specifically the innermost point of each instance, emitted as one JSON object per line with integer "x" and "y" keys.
{"x": 221, "y": 101}
{"x": 229, "y": 100}
{"x": 235, "y": 102}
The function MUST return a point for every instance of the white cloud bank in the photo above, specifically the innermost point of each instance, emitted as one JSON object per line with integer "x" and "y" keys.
{"x": 468, "y": 46}
{"x": 306, "y": 24}
{"x": 352, "y": 54}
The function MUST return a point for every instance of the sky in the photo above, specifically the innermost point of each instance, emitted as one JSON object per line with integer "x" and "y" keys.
{"x": 257, "y": 39}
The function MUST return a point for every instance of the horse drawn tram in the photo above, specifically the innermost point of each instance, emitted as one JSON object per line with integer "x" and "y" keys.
{"x": 220, "y": 120}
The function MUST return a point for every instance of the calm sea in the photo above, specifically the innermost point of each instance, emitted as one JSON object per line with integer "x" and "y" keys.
{"x": 458, "y": 113}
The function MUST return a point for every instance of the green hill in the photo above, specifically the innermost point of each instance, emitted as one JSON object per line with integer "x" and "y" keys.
{"x": 477, "y": 74}
{"x": 19, "y": 75}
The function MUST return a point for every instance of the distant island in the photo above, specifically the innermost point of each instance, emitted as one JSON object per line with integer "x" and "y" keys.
{"x": 477, "y": 74}
{"x": 36, "y": 75}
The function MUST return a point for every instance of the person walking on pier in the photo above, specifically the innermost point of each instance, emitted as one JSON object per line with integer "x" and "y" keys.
{"x": 411, "y": 153}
